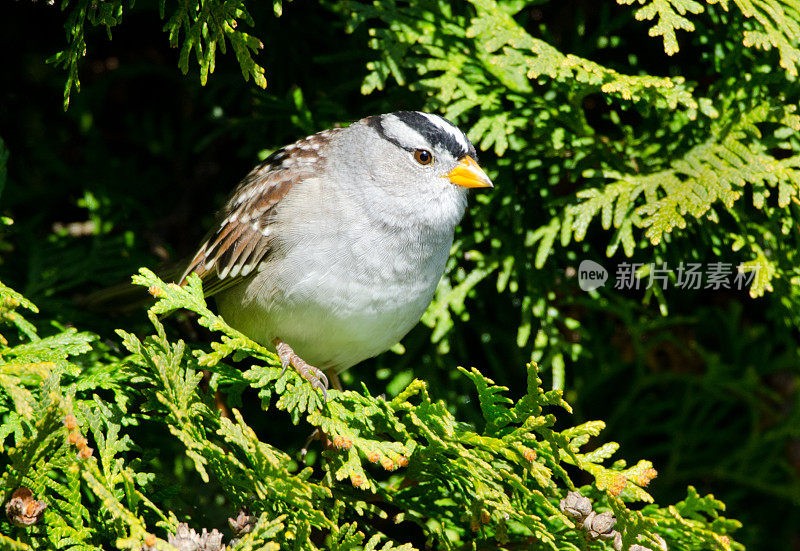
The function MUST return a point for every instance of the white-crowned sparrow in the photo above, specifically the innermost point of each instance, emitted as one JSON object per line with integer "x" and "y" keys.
{"x": 331, "y": 249}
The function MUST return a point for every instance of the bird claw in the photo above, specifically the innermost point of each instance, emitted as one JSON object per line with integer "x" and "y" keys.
{"x": 285, "y": 363}
{"x": 312, "y": 374}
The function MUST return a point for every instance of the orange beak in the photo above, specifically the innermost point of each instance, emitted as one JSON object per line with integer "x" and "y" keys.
{"x": 468, "y": 174}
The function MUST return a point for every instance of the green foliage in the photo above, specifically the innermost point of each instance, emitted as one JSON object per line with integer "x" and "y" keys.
{"x": 646, "y": 133}
{"x": 201, "y": 28}
{"x": 709, "y": 173}
{"x": 777, "y": 24}
{"x": 691, "y": 160}
{"x": 206, "y": 27}
{"x": 670, "y": 14}
{"x": 500, "y": 482}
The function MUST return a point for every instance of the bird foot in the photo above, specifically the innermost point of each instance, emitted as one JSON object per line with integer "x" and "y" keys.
{"x": 312, "y": 374}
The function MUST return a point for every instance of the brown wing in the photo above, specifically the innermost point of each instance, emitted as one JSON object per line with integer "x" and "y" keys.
{"x": 242, "y": 236}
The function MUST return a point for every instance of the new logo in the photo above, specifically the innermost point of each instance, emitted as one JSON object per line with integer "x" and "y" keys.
{"x": 591, "y": 275}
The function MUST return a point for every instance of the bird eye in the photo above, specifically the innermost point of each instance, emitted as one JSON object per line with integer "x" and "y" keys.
{"x": 423, "y": 156}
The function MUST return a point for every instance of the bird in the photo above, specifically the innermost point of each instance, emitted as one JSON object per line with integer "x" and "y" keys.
{"x": 330, "y": 250}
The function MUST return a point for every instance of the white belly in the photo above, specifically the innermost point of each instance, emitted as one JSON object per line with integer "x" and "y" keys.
{"x": 334, "y": 305}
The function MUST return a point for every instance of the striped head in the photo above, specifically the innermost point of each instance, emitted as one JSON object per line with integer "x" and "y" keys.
{"x": 435, "y": 145}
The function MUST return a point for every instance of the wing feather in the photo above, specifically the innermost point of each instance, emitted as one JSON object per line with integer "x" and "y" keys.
{"x": 243, "y": 235}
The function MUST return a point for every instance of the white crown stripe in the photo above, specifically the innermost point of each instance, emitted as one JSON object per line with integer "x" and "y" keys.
{"x": 402, "y": 131}
{"x": 441, "y": 123}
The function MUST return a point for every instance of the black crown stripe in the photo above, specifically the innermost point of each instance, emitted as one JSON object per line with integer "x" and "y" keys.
{"x": 434, "y": 134}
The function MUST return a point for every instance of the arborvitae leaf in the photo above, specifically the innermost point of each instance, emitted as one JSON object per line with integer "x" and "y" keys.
{"x": 57, "y": 347}
{"x": 10, "y": 300}
{"x": 670, "y": 18}
{"x": 506, "y": 478}
{"x": 205, "y": 26}
{"x": 762, "y": 271}
{"x": 13, "y": 545}
{"x": 494, "y": 405}
{"x": 258, "y": 538}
